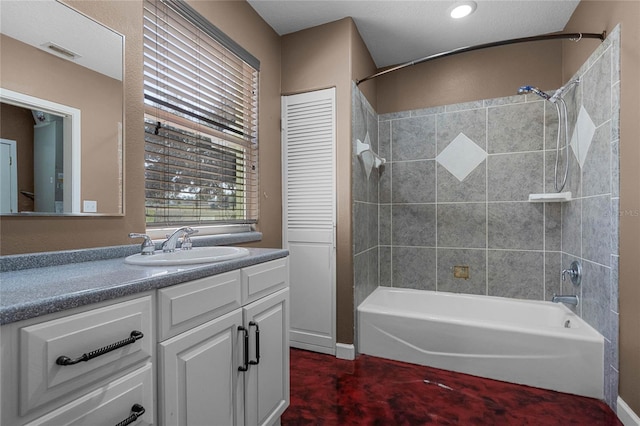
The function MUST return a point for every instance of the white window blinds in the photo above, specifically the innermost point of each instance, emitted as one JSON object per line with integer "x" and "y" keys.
{"x": 201, "y": 120}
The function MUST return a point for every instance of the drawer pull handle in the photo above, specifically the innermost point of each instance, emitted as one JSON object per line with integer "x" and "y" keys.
{"x": 245, "y": 333}
{"x": 136, "y": 411}
{"x": 257, "y": 361}
{"x": 65, "y": 360}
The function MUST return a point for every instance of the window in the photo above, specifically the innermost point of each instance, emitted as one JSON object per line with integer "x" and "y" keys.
{"x": 201, "y": 115}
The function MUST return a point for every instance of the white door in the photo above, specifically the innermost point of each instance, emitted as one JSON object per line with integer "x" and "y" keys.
{"x": 44, "y": 166}
{"x": 267, "y": 375}
{"x": 308, "y": 139}
{"x": 8, "y": 177}
{"x": 200, "y": 383}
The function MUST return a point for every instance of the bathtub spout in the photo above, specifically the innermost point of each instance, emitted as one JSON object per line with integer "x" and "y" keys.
{"x": 569, "y": 299}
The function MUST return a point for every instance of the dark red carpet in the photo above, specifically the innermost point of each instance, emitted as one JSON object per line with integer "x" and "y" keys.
{"x": 374, "y": 391}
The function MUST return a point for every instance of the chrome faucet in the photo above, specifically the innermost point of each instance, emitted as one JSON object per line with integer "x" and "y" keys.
{"x": 569, "y": 299}
{"x": 147, "y": 246}
{"x": 574, "y": 271}
{"x": 170, "y": 244}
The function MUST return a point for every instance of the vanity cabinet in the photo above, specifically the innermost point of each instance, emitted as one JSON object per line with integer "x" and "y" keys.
{"x": 232, "y": 366}
{"x": 84, "y": 366}
{"x": 212, "y": 351}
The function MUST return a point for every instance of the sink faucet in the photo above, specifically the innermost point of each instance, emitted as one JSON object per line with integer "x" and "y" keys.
{"x": 147, "y": 247}
{"x": 170, "y": 244}
{"x": 569, "y": 299}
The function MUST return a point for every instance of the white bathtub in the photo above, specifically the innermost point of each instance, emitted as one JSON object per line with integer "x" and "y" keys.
{"x": 511, "y": 340}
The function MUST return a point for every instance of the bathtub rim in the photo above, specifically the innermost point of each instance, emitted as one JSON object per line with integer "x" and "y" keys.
{"x": 584, "y": 331}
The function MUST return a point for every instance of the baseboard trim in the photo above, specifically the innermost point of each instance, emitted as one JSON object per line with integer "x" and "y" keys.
{"x": 312, "y": 348}
{"x": 626, "y": 414}
{"x": 344, "y": 351}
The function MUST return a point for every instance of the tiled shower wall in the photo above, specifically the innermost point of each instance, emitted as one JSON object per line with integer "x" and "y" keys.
{"x": 365, "y": 200}
{"x": 455, "y": 193}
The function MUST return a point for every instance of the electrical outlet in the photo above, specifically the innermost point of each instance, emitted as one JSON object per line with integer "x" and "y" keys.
{"x": 90, "y": 206}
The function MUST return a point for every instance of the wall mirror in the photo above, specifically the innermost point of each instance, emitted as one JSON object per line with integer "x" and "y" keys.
{"x": 61, "y": 111}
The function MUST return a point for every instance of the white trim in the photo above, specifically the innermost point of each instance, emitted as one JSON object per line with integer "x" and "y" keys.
{"x": 344, "y": 351}
{"x": 72, "y": 141}
{"x": 626, "y": 414}
{"x": 160, "y": 233}
{"x": 311, "y": 347}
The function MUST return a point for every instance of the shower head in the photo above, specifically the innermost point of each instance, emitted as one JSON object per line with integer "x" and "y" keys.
{"x": 523, "y": 90}
{"x": 564, "y": 89}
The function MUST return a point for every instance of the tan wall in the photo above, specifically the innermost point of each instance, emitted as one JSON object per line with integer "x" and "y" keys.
{"x": 605, "y": 15}
{"x": 239, "y": 21}
{"x": 319, "y": 58}
{"x": 483, "y": 74}
{"x": 361, "y": 65}
{"x": 36, "y": 234}
{"x": 99, "y": 97}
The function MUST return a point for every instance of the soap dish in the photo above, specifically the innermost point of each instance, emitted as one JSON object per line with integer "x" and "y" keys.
{"x": 550, "y": 198}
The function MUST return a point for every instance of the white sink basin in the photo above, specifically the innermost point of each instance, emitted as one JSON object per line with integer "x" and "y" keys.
{"x": 188, "y": 257}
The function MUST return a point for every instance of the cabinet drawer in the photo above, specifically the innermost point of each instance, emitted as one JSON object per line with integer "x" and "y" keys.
{"x": 182, "y": 307}
{"x": 109, "y": 404}
{"x": 42, "y": 379}
{"x": 263, "y": 279}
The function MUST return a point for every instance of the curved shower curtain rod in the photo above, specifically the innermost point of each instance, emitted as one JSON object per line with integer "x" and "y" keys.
{"x": 572, "y": 36}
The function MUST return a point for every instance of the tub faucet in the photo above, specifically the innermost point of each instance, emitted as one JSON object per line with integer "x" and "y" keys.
{"x": 569, "y": 299}
{"x": 170, "y": 244}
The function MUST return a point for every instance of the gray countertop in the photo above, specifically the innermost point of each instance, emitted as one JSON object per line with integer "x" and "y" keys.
{"x": 29, "y": 293}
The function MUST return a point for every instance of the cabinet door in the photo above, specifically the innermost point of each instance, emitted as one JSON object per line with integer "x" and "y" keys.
{"x": 199, "y": 379}
{"x": 267, "y": 379}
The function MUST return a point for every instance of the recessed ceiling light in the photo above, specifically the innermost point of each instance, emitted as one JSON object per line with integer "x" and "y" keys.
{"x": 460, "y": 10}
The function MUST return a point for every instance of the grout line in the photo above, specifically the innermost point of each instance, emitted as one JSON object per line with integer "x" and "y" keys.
{"x": 536, "y": 151}
{"x": 436, "y": 197}
{"x": 391, "y": 202}
{"x": 486, "y": 203}
{"x": 544, "y": 205}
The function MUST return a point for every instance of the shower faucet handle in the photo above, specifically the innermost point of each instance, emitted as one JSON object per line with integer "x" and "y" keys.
{"x": 574, "y": 272}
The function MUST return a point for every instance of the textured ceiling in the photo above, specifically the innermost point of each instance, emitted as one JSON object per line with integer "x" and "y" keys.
{"x": 397, "y": 31}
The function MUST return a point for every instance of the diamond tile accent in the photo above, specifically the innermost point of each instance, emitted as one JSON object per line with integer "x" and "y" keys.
{"x": 582, "y": 136}
{"x": 461, "y": 156}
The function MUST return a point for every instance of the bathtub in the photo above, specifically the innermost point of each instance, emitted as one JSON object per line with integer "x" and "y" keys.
{"x": 534, "y": 343}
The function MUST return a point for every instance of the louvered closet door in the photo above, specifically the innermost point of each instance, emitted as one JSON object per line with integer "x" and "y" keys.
{"x": 308, "y": 136}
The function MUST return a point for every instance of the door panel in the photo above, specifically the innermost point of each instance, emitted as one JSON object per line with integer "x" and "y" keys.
{"x": 310, "y": 216}
{"x": 200, "y": 382}
{"x": 267, "y": 379}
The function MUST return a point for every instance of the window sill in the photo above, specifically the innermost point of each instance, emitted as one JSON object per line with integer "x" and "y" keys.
{"x": 226, "y": 239}
{"x": 203, "y": 230}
